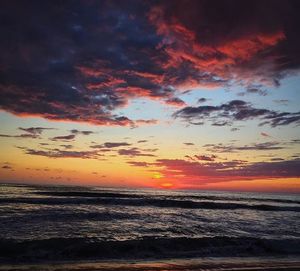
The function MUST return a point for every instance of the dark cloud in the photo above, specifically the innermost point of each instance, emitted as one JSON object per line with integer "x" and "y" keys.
{"x": 221, "y": 123}
{"x": 35, "y": 130}
{"x": 63, "y": 138}
{"x": 281, "y": 102}
{"x": 253, "y": 90}
{"x": 202, "y": 100}
{"x": 91, "y": 61}
{"x": 175, "y": 101}
{"x": 256, "y": 91}
{"x": 295, "y": 141}
{"x": 142, "y": 141}
{"x": 20, "y": 136}
{"x": 208, "y": 158}
{"x": 236, "y": 110}
{"x": 245, "y": 41}
{"x": 56, "y": 153}
{"x": 188, "y": 143}
{"x": 110, "y": 145}
{"x": 266, "y": 146}
{"x": 144, "y": 122}
{"x": 140, "y": 164}
{"x": 134, "y": 152}
{"x": 277, "y": 159}
{"x": 82, "y": 61}
{"x": 7, "y": 167}
{"x": 228, "y": 171}
{"x": 115, "y": 144}
{"x": 264, "y": 134}
{"x": 31, "y": 132}
{"x": 205, "y": 157}
{"x": 78, "y": 132}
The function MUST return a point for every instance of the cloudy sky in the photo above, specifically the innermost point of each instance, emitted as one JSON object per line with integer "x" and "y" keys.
{"x": 171, "y": 94}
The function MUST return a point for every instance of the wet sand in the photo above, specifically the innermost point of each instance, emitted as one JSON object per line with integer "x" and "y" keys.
{"x": 208, "y": 264}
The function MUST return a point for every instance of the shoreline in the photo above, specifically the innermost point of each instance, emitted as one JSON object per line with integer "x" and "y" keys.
{"x": 207, "y": 263}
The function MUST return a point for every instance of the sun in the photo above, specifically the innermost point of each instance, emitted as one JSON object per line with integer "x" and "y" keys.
{"x": 166, "y": 185}
{"x": 157, "y": 175}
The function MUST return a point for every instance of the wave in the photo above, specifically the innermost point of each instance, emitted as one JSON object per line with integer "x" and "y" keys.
{"x": 90, "y": 194}
{"x": 248, "y": 199}
{"x": 86, "y": 249}
{"x": 154, "y": 202}
{"x": 42, "y": 216}
{"x": 106, "y": 194}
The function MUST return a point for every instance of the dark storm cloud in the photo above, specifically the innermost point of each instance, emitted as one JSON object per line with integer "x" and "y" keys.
{"x": 80, "y": 61}
{"x": 76, "y": 61}
{"x": 236, "y": 110}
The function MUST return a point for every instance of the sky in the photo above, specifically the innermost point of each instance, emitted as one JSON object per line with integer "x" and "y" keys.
{"x": 153, "y": 94}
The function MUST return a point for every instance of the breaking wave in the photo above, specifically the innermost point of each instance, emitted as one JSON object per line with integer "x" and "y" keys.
{"x": 154, "y": 202}
{"x": 87, "y": 249}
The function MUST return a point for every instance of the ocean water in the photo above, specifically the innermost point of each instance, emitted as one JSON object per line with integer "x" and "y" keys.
{"x": 40, "y": 223}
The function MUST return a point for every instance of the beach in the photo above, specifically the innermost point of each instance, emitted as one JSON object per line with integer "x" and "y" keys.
{"x": 221, "y": 264}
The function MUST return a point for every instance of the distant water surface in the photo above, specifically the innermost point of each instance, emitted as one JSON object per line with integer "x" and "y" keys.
{"x": 58, "y": 223}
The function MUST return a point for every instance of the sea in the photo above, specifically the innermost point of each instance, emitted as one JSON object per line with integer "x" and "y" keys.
{"x": 61, "y": 223}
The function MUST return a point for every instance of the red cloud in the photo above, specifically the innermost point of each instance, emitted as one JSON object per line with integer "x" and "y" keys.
{"x": 175, "y": 102}
{"x": 226, "y": 59}
{"x": 228, "y": 171}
